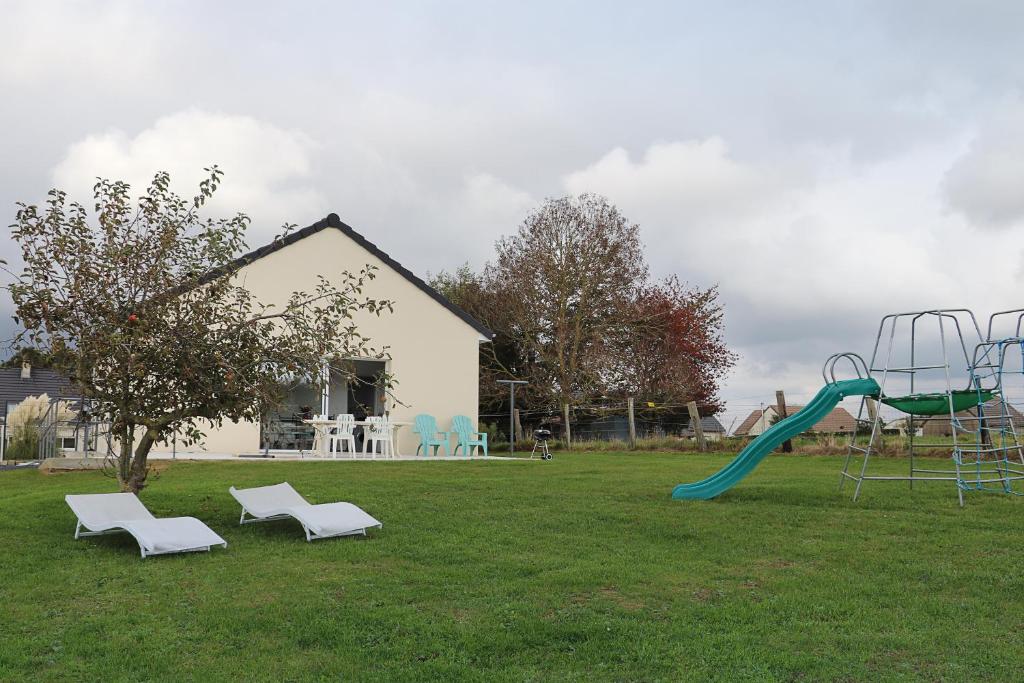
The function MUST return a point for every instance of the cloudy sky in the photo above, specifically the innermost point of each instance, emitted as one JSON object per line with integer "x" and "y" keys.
{"x": 823, "y": 163}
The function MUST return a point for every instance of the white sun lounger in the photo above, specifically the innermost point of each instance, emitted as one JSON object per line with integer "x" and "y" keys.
{"x": 110, "y": 513}
{"x": 281, "y": 501}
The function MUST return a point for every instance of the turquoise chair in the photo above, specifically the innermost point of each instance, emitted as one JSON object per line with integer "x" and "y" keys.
{"x": 426, "y": 427}
{"x": 467, "y": 437}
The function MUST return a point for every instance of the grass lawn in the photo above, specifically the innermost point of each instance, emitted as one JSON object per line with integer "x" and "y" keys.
{"x": 581, "y": 568}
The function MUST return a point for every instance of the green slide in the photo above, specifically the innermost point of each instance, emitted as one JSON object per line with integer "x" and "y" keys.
{"x": 820, "y": 406}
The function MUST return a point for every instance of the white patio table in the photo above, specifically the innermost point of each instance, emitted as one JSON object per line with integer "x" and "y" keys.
{"x": 323, "y": 428}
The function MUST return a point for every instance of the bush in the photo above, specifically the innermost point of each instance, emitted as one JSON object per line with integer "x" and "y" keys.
{"x": 23, "y": 426}
{"x": 491, "y": 429}
{"x": 24, "y": 445}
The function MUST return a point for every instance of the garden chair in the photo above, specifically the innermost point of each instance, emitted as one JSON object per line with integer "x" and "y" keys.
{"x": 466, "y": 436}
{"x": 379, "y": 432}
{"x": 342, "y": 434}
{"x": 426, "y": 427}
{"x": 110, "y": 513}
{"x": 281, "y": 501}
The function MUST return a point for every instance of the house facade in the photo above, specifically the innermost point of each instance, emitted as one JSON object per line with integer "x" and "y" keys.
{"x": 433, "y": 345}
{"x": 17, "y": 384}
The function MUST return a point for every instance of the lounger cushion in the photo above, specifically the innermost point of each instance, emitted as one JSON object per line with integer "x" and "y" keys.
{"x": 174, "y": 534}
{"x": 265, "y": 501}
{"x": 332, "y": 519}
{"x": 96, "y": 510}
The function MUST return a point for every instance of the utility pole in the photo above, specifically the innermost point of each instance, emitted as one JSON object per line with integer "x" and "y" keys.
{"x": 698, "y": 428}
{"x": 780, "y": 406}
{"x": 568, "y": 431}
{"x": 873, "y": 414}
{"x": 512, "y": 411}
{"x": 632, "y": 422}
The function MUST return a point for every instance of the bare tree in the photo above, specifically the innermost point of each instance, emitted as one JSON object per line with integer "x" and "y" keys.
{"x": 674, "y": 351}
{"x": 567, "y": 280}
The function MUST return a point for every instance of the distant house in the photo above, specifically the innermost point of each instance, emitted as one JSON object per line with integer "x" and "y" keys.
{"x": 969, "y": 420}
{"x": 839, "y": 421}
{"x": 899, "y": 427}
{"x": 17, "y": 384}
{"x": 713, "y": 429}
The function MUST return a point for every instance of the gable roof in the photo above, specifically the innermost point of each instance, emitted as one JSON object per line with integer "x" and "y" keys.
{"x": 710, "y": 424}
{"x": 839, "y": 420}
{"x": 333, "y": 221}
{"x": 748, "y": 422}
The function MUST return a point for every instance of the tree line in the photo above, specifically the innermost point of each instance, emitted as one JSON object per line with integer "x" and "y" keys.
{"x": 576, "y": 313}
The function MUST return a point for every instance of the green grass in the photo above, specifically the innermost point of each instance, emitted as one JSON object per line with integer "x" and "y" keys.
{"x": 577, "y": 569}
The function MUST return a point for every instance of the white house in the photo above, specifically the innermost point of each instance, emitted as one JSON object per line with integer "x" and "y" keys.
{"x": 433, "y": 344}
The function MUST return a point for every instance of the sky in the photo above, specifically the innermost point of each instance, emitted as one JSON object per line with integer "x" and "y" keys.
{"x": 821, "y": 163}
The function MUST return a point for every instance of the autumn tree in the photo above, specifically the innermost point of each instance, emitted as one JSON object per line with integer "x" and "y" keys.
{"x": 574, "y": 312}
{"x": 674, "y": 351}
{"x": 567, "y": 280}
{"x": 138, "y": 303}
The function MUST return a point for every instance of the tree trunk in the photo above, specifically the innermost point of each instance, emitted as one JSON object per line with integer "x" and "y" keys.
{"x": 139, "y": 467}
{"x": 124, "y": 458}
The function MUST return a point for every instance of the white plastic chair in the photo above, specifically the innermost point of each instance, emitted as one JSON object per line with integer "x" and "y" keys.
{"x": 379, "y": 432}
{"x": 344, "y": 424}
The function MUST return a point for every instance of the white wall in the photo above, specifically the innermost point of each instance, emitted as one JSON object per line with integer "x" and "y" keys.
{"x": 763, "y": 422}
{"x": 434, "y": 353}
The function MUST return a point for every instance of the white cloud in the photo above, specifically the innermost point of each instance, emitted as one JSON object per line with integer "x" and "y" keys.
{"x": 485, "y": 201}
{"x": 267, "y": 169}
{"x": 694, "y": 181}
{"x": 986, "y": 184}
{"x": 110, "y": 40}
{"x": 807, "y": 265}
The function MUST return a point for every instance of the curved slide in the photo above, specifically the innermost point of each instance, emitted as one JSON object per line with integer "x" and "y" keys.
{"x": 820, "y": 406}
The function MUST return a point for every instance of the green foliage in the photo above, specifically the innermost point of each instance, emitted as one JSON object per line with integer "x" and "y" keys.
{"x": 139, "y": 302}
{"x": 36, "y": 357}
{"x": 23, "y": 445}
{"x": 577, "y": 569}
{"x": 492, "y": 431}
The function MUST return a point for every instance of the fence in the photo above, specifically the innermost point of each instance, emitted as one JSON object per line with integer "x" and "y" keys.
{"x": 610, "y": 420}
{"x": 651, "y": 424}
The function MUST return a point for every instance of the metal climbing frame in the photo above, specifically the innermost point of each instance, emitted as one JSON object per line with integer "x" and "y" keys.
{"x": 979, "y": 459}
{"x": 989, "y": 371}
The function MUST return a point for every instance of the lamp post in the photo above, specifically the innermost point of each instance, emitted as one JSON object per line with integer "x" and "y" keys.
{"x": 512, "y": 412}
